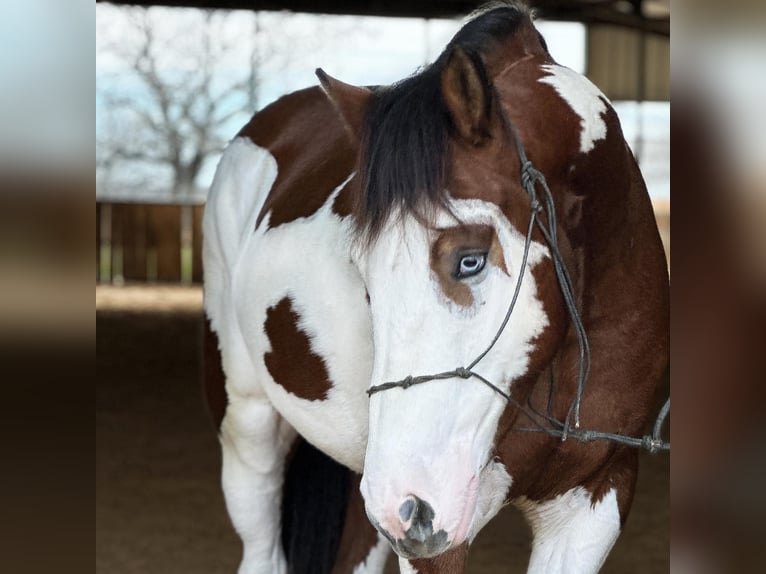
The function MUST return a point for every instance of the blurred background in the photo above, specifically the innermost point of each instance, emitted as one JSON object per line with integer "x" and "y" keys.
{"x": 174, "y": 82}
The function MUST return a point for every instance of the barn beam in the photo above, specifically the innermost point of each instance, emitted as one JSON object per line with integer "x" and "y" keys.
{"x": 588, "y": 12}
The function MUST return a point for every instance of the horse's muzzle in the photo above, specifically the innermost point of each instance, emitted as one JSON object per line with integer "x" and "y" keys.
{"x": 431, "y": 545}
{"x": 419, "y": 540}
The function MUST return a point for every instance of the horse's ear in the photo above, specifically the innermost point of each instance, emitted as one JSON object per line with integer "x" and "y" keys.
{"x": 467, "y": 93}
{"x": 350, "y": 101}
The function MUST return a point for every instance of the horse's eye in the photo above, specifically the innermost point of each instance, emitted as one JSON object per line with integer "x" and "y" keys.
{"x": 470, "y": 265}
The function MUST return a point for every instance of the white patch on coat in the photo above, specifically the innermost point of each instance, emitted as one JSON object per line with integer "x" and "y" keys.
{"x": 240, "y": 187}
{"x": 585, "y": 99}
{"x": 254, "y": 443}
{"x": 376, "y": 559}
{"x": 494, "y": 484}
{"x": 433, "y": 439}
{"x": 405, "y": 567}
{"x": 248, "y": 270}
{"x": 571, "y": 534}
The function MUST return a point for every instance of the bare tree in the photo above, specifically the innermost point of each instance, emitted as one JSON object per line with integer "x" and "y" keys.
{"x": 162, "y": 121}
{"x": 174, "y": 85}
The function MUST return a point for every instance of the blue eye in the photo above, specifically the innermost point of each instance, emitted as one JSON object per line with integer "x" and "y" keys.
{"x": 470, "y": 264}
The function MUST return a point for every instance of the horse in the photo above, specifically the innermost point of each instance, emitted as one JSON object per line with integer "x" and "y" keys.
{"x": 420, "y": 298}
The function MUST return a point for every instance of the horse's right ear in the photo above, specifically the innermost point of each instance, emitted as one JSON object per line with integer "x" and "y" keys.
{"x": 350, "y": 101}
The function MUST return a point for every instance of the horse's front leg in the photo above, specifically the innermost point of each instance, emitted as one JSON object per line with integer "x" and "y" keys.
{"x": 573, "y": 534}
{"x": 450, "y": 562}
{"x": 255, "y": 440}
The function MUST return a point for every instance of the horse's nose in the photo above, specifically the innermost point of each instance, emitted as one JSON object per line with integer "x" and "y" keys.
{"x": 419, "y": 540}
{"x": 417, "y": 516}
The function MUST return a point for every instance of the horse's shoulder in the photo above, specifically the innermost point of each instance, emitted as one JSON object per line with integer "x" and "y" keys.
{"x": 303, "y": 109}
{"x": 312, "y": 149}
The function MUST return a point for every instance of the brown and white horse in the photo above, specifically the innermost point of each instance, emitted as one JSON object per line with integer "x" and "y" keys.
{"x": 359, "y": 236}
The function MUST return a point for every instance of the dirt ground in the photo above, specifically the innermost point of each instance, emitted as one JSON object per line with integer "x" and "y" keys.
{"x": 159, "y": 507}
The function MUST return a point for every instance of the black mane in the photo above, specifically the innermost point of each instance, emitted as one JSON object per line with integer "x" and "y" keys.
{"x": 405, "y": 138}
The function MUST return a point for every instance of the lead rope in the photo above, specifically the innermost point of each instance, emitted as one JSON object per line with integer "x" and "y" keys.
{"x": 530, "y": 176}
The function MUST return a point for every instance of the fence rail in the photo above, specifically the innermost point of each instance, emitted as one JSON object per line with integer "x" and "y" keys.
{"x": 144, "y": 242}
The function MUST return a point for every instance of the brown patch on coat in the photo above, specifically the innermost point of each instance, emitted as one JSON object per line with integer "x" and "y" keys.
{"x": 291, "y": 362}
{"x": 313, "y": 150}
{"x": 451, "y": 245}
{"x": 547, "y": 343}
{"x": 452, "y": 561}
{"x": 359, "y": 537}
{"x": 213, "y": 375}
{"x": 620, "y": 473}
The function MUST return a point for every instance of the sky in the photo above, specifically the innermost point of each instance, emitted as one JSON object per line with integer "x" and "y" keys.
{"x": 365, "y": 51}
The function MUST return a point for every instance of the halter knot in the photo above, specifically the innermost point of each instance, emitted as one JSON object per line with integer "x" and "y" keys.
{"x": 586, "y": 436}
{"x": 651, "y": 444}
{"x": 463, "y": 373}
{"x": 529, "y": 174}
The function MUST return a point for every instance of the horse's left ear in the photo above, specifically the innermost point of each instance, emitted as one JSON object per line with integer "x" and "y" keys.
{"x": 468, "y": 95}
{"x": 350, "y": 101}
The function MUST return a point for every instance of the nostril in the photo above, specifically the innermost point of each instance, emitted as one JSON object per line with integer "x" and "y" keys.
{"x": 408, "y": 507}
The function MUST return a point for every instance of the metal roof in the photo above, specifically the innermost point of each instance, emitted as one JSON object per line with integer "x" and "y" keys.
{"x": 652, "y": 16}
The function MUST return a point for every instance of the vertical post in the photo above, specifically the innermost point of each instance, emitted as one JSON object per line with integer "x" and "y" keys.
{"x": 105, "y": 247}
{"x": 187, "y": 233}
{"x": 151, "y": 264}
{"x": 118, "y": 231}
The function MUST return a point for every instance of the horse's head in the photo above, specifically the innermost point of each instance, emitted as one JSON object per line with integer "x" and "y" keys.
{"x": 442, "y": 220}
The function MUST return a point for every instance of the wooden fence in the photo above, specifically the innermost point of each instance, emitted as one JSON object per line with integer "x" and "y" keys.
{"x": 140, "y": 242}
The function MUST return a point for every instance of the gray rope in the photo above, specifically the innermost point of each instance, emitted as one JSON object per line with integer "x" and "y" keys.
{"x": 530, "y": 177}
{"x": 535, "y": 207}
